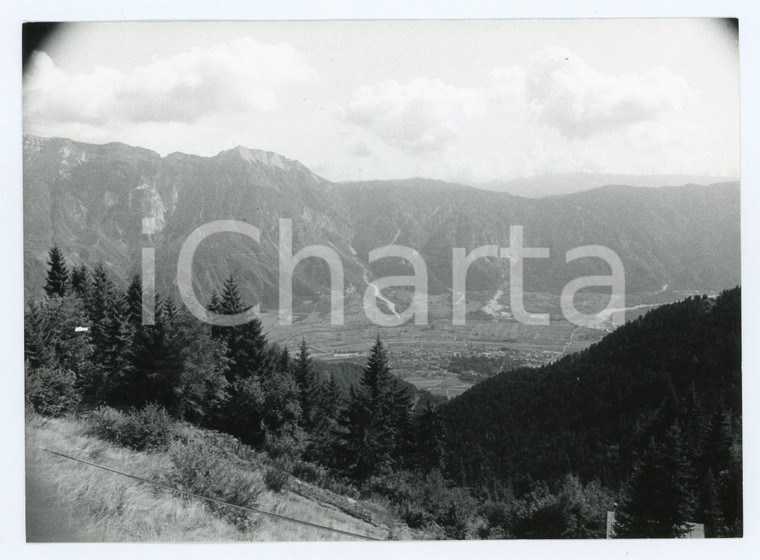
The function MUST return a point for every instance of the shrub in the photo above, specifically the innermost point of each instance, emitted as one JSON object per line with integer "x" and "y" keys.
{"x": 309, "y": 472}
{"x": 148, "y": 428}
{"x": 341, "y": 486}
{"x": 276, "y": 480}
{"x": 427, "y": 501}
{"x": 52, "y": 391}
{"x": 415, "y": 516}
{"x": 198, "y": 467}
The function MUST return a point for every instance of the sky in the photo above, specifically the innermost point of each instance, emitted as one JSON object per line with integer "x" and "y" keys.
{"x": 464, "y": 101}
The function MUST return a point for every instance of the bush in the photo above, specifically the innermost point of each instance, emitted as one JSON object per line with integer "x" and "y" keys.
{"x": 309, "y": 472}
{"x": 198, "y": 467}
{"x": 148, "y": 428}
{"x": 276, "y": 480}
{"x": 428, "y": 501}
{"x": 341, "y": 486}
{"x": 52, "y": 391}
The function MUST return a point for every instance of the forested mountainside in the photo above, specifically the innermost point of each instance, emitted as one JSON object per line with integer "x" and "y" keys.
{"x": 656, "y": 403}
{"x": 95, "y": 200}
{"x": 648, "y": 418}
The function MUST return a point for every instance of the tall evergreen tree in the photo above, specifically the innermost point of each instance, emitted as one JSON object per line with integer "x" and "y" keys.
{"x": 98, "y": 304}
{"x": 116, "y": 334}
{"x": 282, "y": 410}
{"x": 712, "y": 511}
{"x": 246, "y": 343}
{"x": 57, "y": 275}
{"x": 81, "y": 282}
{"x": 658, "y": 501}
{"x": 134, "y": 300}
{"x": 155, "y": 364}
{"x": 308, "y": 389}
{"x": 430, "y": 439}
{"x": 202, "y": 385}
{"x": 368, "y": 425}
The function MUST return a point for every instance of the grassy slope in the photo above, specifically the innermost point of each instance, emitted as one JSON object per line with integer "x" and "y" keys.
{"x": 110, "y": 508}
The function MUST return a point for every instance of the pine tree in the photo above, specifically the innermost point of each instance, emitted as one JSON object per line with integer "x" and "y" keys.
{"x": 134, "y": 300}
{"x": 246, "y": 345}
{"x": 81, "y": 284}
{"x": 281, "y": 410}
{"x": 51, "y": 338}
{"x": 116, "y": 334}
{"x": 215, "y": 304}
{"x": 36, "y": 349}
{"x": 284, "y": 363}
{"x": 368, "y": 425}
{"x": 712, "y": 512}
{"x": 403, "y": 425}
{"x": 98, "y": 304}
{"x": 202, "y": 385}
{"x": 430, "y": 439}
{"x": 658, "y": 501}
{"x": 155, "y": 365}
{"x": 306, "y": 379}
{"x": 326, "y": 426}
{"x": 58, "y": 274}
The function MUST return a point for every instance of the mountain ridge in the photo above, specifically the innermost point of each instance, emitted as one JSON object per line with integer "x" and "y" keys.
{"x": 91, "y": 199}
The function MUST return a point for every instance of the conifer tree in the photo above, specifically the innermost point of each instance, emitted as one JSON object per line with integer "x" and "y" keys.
{"x": 116, "y": 333}
{"x": 282, "y": 410}
{"x": 711, "y": 507}
{"x": 658, "y": 502}
{"x": 81, "y": 282}
{"x": 284, "y": 363}
{"x": 134, "y": 300}
{"x": 202, "y": 384}
{"x": 215, "y": 304}
{"x": 57, "y": 275}
{"x": 246, "y": 344}
{"x": 306, "y": 379}
{"x": 326, "y": 427}
{"x": 403, "y": 425}
{"x": 155, "y": 367}
{"x": 430, "y": 439}
{"x": 368, "y": 424}
{"x": 98, "y": 304}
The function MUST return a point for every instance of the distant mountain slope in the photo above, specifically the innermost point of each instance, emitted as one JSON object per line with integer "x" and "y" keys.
{"x": 551, "y": 184}
{"x": 590, "y": 413}
{"x": 92, "y": 201}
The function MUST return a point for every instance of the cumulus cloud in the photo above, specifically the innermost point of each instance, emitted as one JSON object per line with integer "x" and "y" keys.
{"x": 243, "y": 75}
{"x": 566, "y": 93}
{"x": 421, "y": 116}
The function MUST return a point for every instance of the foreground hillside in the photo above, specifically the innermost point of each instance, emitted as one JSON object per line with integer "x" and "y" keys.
{"x": 87, "y": 504}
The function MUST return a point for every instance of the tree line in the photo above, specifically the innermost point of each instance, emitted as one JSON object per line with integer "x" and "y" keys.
{"x": 230, "y": 379}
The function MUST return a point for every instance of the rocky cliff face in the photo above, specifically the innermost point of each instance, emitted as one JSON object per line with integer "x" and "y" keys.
{"x": 106, "y": 202}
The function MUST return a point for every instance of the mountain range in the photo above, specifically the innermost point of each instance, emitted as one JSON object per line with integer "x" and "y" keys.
{"x": 551, "y": 184}
{"x": 94, "y": 201}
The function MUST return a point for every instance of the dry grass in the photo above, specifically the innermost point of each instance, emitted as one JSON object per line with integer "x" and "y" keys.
{"x": 107, "y": 507}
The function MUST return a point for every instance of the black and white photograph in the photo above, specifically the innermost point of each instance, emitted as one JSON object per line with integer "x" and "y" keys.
{"x": 382, "y": 280}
